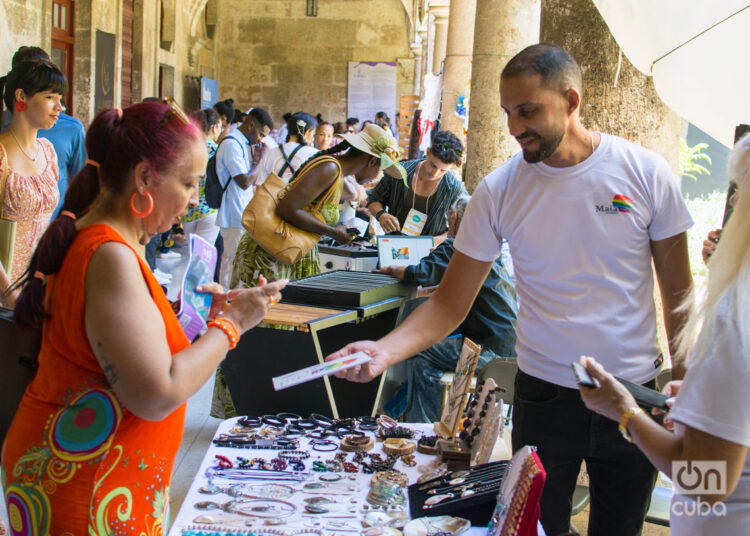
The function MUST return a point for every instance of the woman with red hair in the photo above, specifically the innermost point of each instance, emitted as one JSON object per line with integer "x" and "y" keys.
{"x": 91, "y": 448}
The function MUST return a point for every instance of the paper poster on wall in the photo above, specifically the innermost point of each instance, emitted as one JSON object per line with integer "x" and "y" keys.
{"x": 372, "y": 89}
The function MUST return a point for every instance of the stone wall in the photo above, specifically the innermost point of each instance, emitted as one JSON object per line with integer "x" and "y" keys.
{"x": 190, "y": 53}
{"x": 22, "y": 23}
{"x": 270, "y": 54}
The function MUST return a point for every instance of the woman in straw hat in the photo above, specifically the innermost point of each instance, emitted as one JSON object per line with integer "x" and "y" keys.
{"x": 362, "y": 156}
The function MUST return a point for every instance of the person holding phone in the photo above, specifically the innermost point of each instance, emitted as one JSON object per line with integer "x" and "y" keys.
{"x": 710, "y": 415}
{"x": 92, "y": 445}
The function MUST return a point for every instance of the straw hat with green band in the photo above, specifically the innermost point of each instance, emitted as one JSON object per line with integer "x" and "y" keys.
{"x": 377, "y": 142}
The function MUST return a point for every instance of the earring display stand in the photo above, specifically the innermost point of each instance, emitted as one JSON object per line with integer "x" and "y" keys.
{"x": 450, "y": 420}
{"x": 487, "y": 419}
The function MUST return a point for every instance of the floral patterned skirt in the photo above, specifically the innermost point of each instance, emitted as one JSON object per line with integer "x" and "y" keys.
{"x": 251, "y": 262}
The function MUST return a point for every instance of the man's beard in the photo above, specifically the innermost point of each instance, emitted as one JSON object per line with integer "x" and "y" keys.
{"x": 547, "y": 146}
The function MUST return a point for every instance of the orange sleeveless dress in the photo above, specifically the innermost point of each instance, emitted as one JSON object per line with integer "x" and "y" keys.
{"x": 75, "y": 460}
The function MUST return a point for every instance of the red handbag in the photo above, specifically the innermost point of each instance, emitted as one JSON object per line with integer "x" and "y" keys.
{"x": 517, "y": 510}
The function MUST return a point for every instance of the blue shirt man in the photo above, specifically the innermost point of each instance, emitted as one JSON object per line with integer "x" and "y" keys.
{"x": 69, "y": 140}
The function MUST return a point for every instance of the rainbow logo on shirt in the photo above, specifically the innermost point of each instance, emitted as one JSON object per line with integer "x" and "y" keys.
{"x": 622, "y": 203}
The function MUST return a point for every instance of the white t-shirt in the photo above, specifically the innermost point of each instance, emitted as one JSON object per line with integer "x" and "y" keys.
{"x": 273, "y": 160}
{"x": 233, "y": 159}
{"x": 269, "y": 142}
{"x": 715, "y": 399}
{"x": 580, "y": 241}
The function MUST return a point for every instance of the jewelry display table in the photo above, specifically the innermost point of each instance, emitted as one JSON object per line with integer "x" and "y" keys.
{"x": 308, "y": 334}
{"x": 343, "y": 517}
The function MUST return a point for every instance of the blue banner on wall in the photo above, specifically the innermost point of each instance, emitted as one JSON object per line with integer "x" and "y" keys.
{"x": 209, "y": 92}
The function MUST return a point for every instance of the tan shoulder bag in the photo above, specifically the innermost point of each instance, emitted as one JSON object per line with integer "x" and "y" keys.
{"x": 7, "y": 227}
{"x": 285, "y": 242}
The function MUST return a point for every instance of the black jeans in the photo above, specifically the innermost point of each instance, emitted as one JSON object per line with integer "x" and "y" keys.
{"x": 621, "y": 479}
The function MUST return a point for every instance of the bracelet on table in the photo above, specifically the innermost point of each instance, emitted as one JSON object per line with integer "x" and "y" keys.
{"x": 322, "y": 420}
{"x": 229, "y": 329}
{"x": 250, "y": 422}
{"x": 329, "y": 445}
{"x": 306, "y": 424}
{"x": 273, "y": 420}
{"x": 294, "y": 454}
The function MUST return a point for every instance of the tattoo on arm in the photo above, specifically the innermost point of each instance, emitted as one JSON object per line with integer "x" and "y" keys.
{"x": 107, "y": 367}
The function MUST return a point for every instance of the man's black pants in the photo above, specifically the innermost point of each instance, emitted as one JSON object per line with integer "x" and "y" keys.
{"x": 555, "y": 420}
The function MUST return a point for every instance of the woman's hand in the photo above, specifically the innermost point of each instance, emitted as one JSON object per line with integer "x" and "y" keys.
{"x": 611, "y": 398}
{"x": 367, "y": 371}
{"x": 389, "y": 223}
{"x": 709, "y": 244}
{"x": 342, "y": 236}
{"x": 218, "y": 297}
{"x": 671, "y": 390}
{"x": 248, "y": 307}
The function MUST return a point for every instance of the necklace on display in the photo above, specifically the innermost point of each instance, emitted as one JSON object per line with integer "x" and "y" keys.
{"x": 264, "y": 508}
{"x": 27, "y": 155}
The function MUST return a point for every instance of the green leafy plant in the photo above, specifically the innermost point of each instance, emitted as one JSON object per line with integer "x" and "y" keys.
{"x": 690, "y": 157}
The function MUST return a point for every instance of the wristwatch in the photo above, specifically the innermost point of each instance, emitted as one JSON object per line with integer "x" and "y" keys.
{"x": 625, "y": 419}
{"x": 380, "y": 213}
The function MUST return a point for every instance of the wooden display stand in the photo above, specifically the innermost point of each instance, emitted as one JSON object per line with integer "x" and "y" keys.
{"x": 450, "y": 420}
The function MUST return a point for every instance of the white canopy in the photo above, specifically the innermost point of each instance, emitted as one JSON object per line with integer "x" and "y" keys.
{"x": 697, "y": 53}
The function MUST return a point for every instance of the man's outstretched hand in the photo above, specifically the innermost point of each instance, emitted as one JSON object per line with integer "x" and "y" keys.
{"x": 367, "y": 371}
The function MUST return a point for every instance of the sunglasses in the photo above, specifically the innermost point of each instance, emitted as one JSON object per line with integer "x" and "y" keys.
{"x": 174, "y": 111}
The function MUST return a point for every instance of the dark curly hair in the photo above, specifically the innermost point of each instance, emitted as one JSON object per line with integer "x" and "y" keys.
{"x": 448, "y": 148}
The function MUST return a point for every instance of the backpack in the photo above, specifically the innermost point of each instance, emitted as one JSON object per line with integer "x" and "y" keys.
{"x": 288, "y": 159}
{"x": 214, "y": 189}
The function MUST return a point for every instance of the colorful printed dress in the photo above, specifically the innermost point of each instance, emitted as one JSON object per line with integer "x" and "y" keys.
{"x": 202, "y": 209}
{"x": 252, "y": 261}
{"x": 75, "y": 460}
{"x": 30, "y": 202}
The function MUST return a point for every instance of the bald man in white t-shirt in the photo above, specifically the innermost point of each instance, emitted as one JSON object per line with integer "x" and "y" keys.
{"x": 585, "y": 215}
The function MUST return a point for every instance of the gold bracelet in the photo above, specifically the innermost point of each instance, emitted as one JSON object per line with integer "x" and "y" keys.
{"x": 625, "y": 419}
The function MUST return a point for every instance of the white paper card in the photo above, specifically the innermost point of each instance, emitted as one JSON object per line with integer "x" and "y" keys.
{"x": 318, "y": 371}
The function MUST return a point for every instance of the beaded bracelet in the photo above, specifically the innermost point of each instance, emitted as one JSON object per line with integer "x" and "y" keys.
{"x": 229, "y": 329}
{"x": 294, "y": 455}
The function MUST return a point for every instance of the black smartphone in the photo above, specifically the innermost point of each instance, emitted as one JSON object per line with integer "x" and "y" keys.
{"x": 583, "y": 377}
{"x": 645, "y": 396}
{"x": 352, "y": 231}
{"x": 715, "y": 239}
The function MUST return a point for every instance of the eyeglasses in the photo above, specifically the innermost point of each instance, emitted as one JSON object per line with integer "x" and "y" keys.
{"x": 174, "y": 111}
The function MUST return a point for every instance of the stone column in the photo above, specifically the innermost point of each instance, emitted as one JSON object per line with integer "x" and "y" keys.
{"x": 457, "y": 72}
{"x": 423, "y": 38}
{"x": 503, "y": 28}
{"x": 416, "y": 49}
{"x": 441, "y": 39}
{"x": 617, "y": 98}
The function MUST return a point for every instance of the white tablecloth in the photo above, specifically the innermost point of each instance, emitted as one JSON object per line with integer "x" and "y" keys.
{"x": 188, "y": 512}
